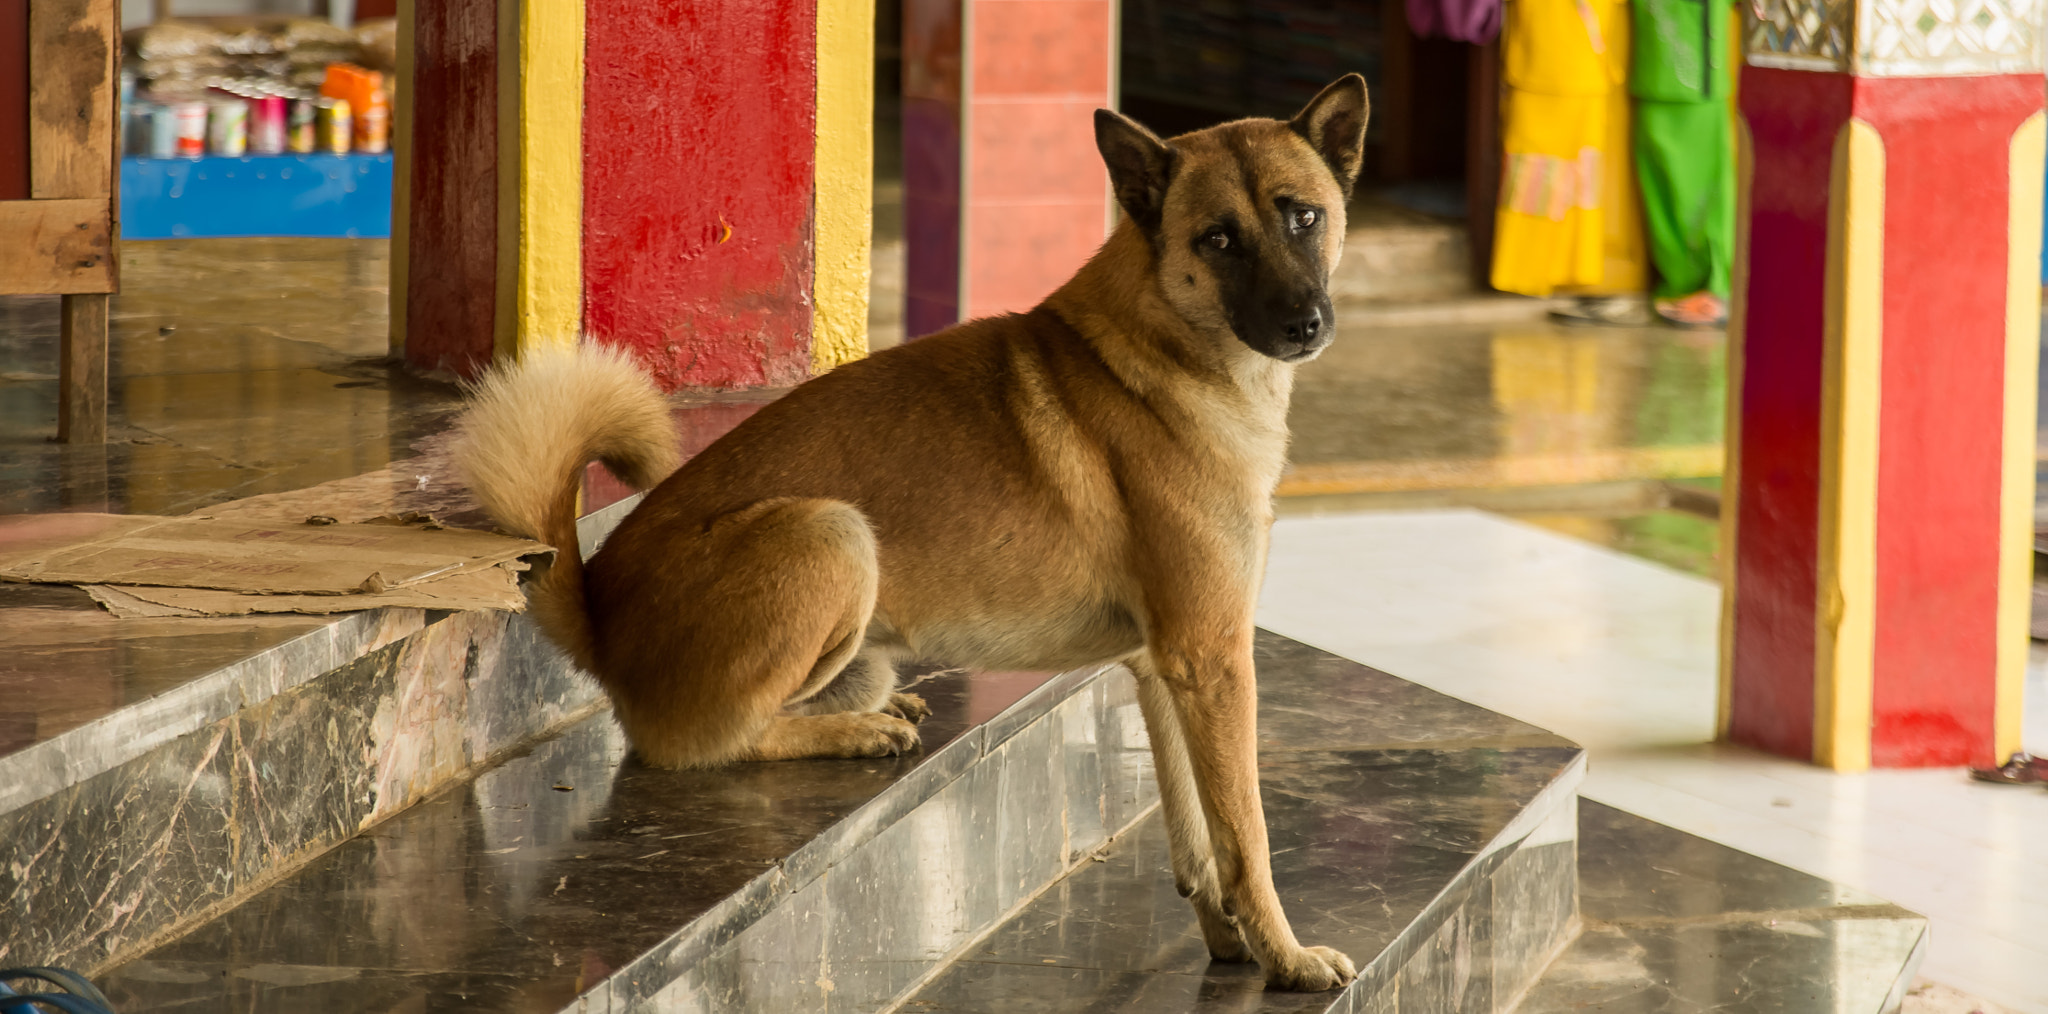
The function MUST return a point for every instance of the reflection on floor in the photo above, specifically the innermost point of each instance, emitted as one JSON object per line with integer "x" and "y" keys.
{"x": 238, "y": 367}
{"x": 1610, "y": 435}
{"x": 1618, "y": 654}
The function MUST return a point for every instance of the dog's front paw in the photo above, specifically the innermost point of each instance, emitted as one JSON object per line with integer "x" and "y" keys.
{"x": 1311, "y": 970}
{"x": 879, "y": 735}
{"x": 909, "y": 707}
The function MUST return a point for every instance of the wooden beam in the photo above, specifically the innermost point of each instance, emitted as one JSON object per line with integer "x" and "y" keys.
{"x": 71, "y": 98}
{"x": 82, "y": 371}
{"x": 56, "y": 247}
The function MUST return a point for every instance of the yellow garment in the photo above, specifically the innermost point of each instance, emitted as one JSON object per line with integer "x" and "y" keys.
{"x": 1567, "y": 216}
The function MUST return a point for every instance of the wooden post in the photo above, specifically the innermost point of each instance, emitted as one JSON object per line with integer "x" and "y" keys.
{"x": 61, "y": 240}
{"x": 82, "y": 370}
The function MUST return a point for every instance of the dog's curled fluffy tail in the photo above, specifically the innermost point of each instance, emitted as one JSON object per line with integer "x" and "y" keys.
{"x": 530, "y": 429}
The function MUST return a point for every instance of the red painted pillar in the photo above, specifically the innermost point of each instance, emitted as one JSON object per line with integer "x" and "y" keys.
{"x": 1882, "y": 459}
{"x": 1004, "y": 194}
{"x": 698, "y": 148}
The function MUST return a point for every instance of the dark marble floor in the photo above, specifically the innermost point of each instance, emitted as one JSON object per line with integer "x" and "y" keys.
{"x": 1676, "y": 924}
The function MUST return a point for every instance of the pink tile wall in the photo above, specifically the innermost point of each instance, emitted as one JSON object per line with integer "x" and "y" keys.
{"x": 1037, "y": 199}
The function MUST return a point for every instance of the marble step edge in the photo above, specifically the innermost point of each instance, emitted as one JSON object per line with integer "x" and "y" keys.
{"x": 1479, "y": 931}
{"x": 140, "y": 853}
{"x": 52, "y": 765}
{"x": 1669, "y": 883}
{"x": 130, "y": 830}
{"x": 1551, "y": 818}
{"x": 718, "y": 932}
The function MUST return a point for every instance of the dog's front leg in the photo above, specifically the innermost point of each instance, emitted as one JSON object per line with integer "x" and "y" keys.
{"x": 1187, "y": 827}
{"x": 1211, "y": 686}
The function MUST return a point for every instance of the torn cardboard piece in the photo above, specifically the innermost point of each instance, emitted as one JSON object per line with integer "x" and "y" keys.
{"x": 206, "y": 566}
{"x": 495, "y": 588}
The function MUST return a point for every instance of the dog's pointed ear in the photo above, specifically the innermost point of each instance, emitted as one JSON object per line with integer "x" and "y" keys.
{"x": 1140, "y": 164}
{"x": 1334, "y": 125}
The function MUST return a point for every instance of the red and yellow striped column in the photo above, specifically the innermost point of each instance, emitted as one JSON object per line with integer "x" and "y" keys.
{"x": 1881, "y": 453}
{"x": 687, "y": 179}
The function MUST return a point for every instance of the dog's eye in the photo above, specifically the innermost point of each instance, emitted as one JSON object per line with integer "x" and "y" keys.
{"x": 1217, "y": 238}
{"x": 1304, "y": 218}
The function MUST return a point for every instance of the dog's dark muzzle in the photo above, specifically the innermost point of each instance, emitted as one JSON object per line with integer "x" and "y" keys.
{"x": 1293, "y": 332}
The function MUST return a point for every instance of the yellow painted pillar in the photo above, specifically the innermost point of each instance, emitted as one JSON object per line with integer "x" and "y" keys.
{"x": 540, "y": 181}
{"x": 844, "y": 194}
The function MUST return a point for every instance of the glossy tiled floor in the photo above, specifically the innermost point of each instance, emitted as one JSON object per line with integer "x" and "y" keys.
{"x": 1578, "y": 430}
{"x": 238, "y": 367}
{"x": 1618, "y": 654}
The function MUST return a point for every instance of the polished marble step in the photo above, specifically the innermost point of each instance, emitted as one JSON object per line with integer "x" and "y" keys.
{"x": 1676, "y": 924}
{"x": 162, "y": 770}
{"x": 574, "y": 878}
{"x": 1410, "y": 827}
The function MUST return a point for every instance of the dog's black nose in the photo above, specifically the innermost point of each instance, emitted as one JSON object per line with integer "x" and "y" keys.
{"x": 1304, "y": 330}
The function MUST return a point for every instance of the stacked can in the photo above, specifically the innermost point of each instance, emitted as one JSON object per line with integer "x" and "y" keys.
{"x": 267, "y": 125}
{"x": 300, "y": 134}
{"x": 333, "y": 125}
{"x": 152, "y": 130}
{"x": 227, "y": 128}
{"x": 188, "y": 129}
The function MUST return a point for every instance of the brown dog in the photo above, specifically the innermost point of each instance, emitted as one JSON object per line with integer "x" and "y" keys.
{"x": 1088, "y": 481}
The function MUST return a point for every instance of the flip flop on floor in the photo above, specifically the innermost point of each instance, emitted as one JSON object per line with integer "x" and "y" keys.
{"x": 2022, "y": 769}
{"x": 1702, "y": 310}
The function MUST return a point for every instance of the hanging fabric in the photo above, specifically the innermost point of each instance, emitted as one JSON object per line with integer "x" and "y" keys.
{"x": 1473, "y": 21}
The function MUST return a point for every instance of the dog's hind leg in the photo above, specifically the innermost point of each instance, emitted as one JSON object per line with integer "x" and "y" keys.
{"x": 699, "y": 672}
{"x": 868, "y": 683}
{"x": 1187, "y": 830}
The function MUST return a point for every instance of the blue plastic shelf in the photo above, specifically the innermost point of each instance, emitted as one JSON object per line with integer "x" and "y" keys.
{"x": 256, "y": 195}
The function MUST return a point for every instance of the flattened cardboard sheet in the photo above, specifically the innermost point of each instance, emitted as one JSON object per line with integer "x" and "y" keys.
{"x": 205, "y": 566}
{"x": 496, "y": 588}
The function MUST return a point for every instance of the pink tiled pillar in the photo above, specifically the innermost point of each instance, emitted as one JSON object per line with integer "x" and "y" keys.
{"x": 1007, "y": 169}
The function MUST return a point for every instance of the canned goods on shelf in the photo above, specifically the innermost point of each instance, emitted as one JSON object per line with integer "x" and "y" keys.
{"x": 301, "y": 136}
{"x": 188, "y": 129}
{"x": 267, "y": 125}
{"x": 227, "y": 127}
{"x": 333, "y": 125}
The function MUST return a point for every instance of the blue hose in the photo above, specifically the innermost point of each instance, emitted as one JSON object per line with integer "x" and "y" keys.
{"x": 79, "y": 996}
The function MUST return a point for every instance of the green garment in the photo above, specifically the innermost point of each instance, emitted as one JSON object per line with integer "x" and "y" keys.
{"x": 1680, "y": 51}
{"x": 1684, "y": 151}
{"x": 1686, "y": 164}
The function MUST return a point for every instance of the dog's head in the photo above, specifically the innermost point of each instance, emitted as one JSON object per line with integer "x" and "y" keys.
{"x": 1246, "y": 219}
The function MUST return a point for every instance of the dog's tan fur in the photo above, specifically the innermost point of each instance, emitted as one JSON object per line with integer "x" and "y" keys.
{"x": 1087, "y": 482}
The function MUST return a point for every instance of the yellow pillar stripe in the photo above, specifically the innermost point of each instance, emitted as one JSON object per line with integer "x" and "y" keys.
{"x": 540, "y": 177}
{"x": 1846, "y": 613}
{"x": 1731, "y": 463}
{"x": 2016, "y": 491}
{"x": 843, "y": 212}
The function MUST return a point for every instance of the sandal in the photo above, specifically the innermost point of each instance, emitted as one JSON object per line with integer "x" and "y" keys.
{"x": 1702, "y": 311}
{"x": 1603, "y": 311}
{"x": 2022, "y": 769}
